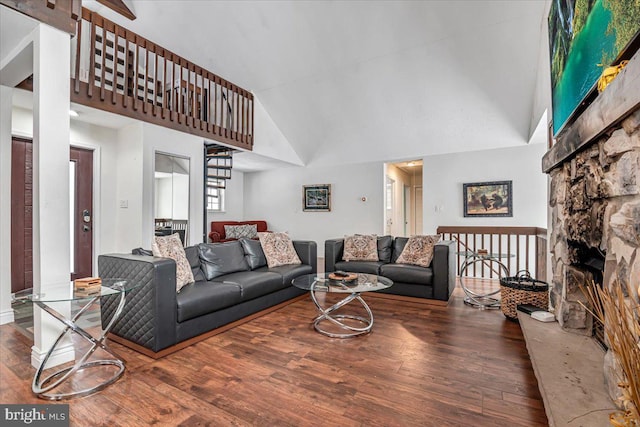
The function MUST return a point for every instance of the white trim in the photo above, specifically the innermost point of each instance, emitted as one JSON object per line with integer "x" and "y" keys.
{"x": 6, "y": 316}
{"x": 62, "y": 354}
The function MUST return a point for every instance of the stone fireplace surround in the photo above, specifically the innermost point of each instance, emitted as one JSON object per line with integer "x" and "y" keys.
{"x": 594, "y": 202}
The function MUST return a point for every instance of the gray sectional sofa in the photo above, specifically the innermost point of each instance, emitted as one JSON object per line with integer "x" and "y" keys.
{"x": 233, "y": 281}
{"x": 434, "y": 282}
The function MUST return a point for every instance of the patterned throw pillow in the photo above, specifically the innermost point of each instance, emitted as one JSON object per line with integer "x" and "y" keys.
{"x": 278, "y": 249}
{"x": 418, "y": 251}
{"x": 249, "y": 231}
{"x": 171, "y": 247}
{"x": 360, "y": 247}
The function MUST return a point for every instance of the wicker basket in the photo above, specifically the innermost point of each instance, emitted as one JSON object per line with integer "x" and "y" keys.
{"x": 522, "y": 289}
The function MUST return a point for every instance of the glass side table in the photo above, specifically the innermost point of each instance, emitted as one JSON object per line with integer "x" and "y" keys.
{"x": 485, "y": 300}
{"x": 44, "y": 387}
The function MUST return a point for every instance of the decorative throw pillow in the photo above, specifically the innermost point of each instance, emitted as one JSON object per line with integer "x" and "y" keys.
{"x": 360, "y": 247}
{"x": 418, "y": 251}
{"x": 278, "y": 249}
{"x": 249, "y": 231}
{"x": 171, "y": 247}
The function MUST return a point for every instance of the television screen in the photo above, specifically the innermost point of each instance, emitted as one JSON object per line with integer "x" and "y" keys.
{"x": 584, "y": 36}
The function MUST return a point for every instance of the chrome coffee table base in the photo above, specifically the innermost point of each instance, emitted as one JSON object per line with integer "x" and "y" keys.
{"x": 337, "y": 319}
{"x": 42, "y": 387}
{"x": 484, "y": 301}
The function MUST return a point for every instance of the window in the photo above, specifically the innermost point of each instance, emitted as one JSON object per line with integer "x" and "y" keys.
{"x": 215, "y": 199}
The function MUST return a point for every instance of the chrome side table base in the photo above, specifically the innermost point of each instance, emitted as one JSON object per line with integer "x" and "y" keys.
{"x": 326, "y": 316}
{"x": 42, "y": 387}
{"x": 484, "y": 301}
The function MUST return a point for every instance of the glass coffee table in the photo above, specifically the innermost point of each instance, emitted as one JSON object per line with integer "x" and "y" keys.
{"x": 352, "y": 286}
{"x": 45, "y": 387}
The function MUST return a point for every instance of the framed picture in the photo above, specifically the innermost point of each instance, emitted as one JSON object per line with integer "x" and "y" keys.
{"x": 316, "y": 198}
{"x": 488, "y": 199}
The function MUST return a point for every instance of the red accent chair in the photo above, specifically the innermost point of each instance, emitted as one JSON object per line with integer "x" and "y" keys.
{"x": 217, "y": 234}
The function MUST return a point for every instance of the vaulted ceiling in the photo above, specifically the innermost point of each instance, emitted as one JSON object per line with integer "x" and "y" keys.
{"x": 379, "y": 80}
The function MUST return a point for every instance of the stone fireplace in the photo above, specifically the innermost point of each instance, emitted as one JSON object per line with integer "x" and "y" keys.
{"x": 594, "y": 198}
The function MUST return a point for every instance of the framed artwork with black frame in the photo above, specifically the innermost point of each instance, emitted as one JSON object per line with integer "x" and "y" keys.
{"x": 484, "y": 199}
{"x": 316, "y": 198}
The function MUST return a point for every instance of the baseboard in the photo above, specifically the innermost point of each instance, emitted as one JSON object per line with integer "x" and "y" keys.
{"x": 6, "y": 316}
{"x": 184, "y": 344}
{"x": 61, "y": 355}
{"x": 416, "y": 300}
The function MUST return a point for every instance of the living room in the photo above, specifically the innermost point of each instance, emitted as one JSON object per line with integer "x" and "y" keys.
{"x": 464, "y": 87}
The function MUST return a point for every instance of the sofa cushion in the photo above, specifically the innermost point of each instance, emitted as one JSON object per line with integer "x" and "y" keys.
{"x": 406, "y": 273}
{"x": 171, "y": 247}
{"x": 360, "y": 247}
{"x": 398, "y": 247}
{"x": 240, "y": 231}
{"x": 193, "y": 256}
{"x": 142, "y": 251}
{"x": 371, "y": 267}
{"x": 254, "y": 284}
{"x": 289, "y": 272}
{"x": 278, "y": 249}
{"x": 418, "y": 251}
{"x": 218, "y": 259}
{"x": 384, "y": 248}
{"x": 202, "y": 298}
{"x": 253, "y": 253}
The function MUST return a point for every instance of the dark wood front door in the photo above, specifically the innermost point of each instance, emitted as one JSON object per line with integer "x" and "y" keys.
{"x": 22, "y": 213}
{"x": 82, "y": 212}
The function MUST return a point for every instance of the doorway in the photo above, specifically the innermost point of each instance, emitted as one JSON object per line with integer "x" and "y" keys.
{"x": 81, "y": 209}
{"x": 403, "y": 215}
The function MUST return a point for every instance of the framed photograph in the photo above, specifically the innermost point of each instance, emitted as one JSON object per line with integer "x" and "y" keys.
{"x": 316, "y": 198}
{"x": 488, "y": 199}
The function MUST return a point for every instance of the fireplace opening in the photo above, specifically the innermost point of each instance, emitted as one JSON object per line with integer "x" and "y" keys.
{"x": 592, "y": 260}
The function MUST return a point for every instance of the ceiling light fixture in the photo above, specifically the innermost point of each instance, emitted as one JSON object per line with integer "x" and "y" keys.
{"x": 411, "y": 164}
{"x": 73, "y": 113}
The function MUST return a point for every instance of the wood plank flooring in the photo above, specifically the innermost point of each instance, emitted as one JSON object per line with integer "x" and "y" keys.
{"x": 422, "y": 365}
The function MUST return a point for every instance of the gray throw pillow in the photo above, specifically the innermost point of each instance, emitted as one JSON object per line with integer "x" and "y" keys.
{"x": 218, "y": 259}
{"x": 253, "y": 253}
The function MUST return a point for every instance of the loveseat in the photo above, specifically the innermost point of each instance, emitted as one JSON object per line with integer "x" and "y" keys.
{"x": 218, "y": 232}
{"x": 434, "y": 282}
{"x": 232, "y": 281}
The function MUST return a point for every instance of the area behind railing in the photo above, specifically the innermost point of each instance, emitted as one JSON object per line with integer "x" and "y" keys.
{"x": 522, "y": 248}
{"x": 116, "y": 70}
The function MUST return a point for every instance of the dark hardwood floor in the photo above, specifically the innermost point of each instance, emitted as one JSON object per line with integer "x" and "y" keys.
{"x": 423, "y": 365}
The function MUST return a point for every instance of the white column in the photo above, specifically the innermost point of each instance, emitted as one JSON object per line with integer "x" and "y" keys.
{"x": 6, "y": 312}
{"x": 51, "y": 229}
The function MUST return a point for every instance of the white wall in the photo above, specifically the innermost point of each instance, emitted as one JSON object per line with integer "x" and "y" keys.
{"x": 233, "y": 201}
{"x": 444, "y": 175}
{"x": 276, "y": 196}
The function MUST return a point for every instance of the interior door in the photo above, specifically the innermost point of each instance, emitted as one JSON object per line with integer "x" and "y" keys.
{"x": 81, "y": 204}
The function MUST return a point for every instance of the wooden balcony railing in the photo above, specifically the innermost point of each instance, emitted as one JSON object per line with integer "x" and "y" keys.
{"x": 525, "y": 247}
{"x": 116, "y": 70}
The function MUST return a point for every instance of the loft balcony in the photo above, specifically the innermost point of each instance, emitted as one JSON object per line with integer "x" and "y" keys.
{"x": 116, "y": 70}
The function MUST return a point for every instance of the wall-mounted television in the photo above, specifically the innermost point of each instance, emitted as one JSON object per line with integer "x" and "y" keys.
{"x": 584, "y": 36}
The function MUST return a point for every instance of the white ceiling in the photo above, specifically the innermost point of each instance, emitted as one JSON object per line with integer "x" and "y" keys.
{"x": 372, "y": 81}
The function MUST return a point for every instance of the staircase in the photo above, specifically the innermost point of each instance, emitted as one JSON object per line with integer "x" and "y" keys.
{"x": 219, "y": 162}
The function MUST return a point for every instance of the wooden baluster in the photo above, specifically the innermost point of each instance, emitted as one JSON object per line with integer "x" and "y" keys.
{"x": 116, "y": 48}
{"x": 527, "y": 253}
{"x": 156, "y": 83}
{"x": 180, "y": 94}
{"x": 92, "y": 61}
{"x": 217, "y": 101}
{"x": 236, "y": 108}
{"x": 491, "y": 251}
{"x": 76, "y": 83}
{"x": 242, "y": 120}
{"x": 104, "y": 61}
{"x": 518, "y": 252}
{"x": 165, "y": 84}
{"x": 127, "y": 65}
{"x": 500, "y": 243}
{"x": 509, "y": 251}
{"x": 145, "y": 81}
{"x": 483, "y": 247}
{"x": 252, "y": 117}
